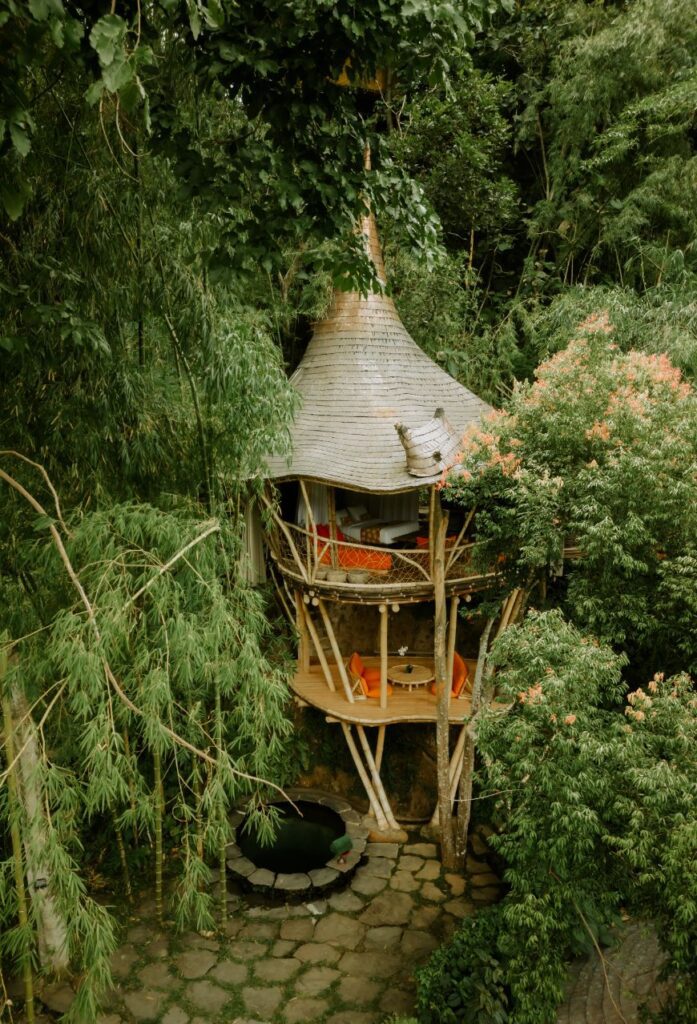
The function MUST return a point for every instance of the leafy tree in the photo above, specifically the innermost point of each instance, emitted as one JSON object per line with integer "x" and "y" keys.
{"x": 596, "y": 456}
{"x": 595, "y": 802}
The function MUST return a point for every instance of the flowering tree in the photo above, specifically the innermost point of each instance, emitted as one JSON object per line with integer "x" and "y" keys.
{"x": 596, "y": 456}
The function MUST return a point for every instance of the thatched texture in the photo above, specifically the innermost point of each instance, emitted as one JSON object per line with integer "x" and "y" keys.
{"x": 361, "y": 375}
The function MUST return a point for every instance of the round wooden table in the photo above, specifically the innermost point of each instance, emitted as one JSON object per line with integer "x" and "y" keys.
{"x": 419, "y": 675}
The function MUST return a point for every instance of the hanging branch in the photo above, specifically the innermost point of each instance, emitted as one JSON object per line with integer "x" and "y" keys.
{"x": 113, "y": 682}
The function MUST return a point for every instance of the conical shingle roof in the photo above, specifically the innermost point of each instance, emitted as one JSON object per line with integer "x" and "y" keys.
{"x": 362, "y": 374}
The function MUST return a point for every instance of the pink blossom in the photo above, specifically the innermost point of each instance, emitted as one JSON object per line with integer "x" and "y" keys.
{"x": 570, "y": 719}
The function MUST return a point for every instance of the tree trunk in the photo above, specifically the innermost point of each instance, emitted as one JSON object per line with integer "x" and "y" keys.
{"x": 464, "y": 806}
{"x": 439, "y": 526}
{"x": 52, "y": 932}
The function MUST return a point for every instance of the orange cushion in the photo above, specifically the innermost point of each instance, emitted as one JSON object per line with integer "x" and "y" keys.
{"x": 371, "y": 675}
{"x": 460, "y": 676}
{"x": 375, "y": 691}
{"x": 356, "y": 664}
{"x": 362, "y": 558}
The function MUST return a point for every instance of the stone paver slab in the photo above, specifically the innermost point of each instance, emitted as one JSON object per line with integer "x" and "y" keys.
{"x": 397, "y": 1001}
{"x": 432, "y": 893}
{"x": 206, "y": 996}
{"x": 339, "y": 930}
{"x": 429, "y": 872}
{"x": 368, "y": 965}
{"x": 316, "y": 980}
{"x": 317, "y": 953}
{"x": 122, "y": 961}
{"x": 408, "y": 862}
{"x": 389, "y": 908}
{"x": 301, "y": 930}
{"x": 195, "y": 963}
{"x": 144, "y": 1004}
{"x": 404, "y": 881}
{"x": 346, "y": 901}
{"x": 262, "y": 1002}
{"x": 229, "y": 972}
{"x": 426, "y": 850}
{"x": 383, "y": 849}
{"x": 459, "y": 908}
{"x": 425, "y": 917}
{"x": 276, "y": 970}
{"x": 354, "y": 1017}
{"x": 368, "y": 885}
{"x": 386, "y": 937}
{"x": 262, "y": 877}
{"x": 323, "y": 876}
{"x": 417, "y": 944}
{"x": 157, "y": 976}
{"x": 282, "y": 947}
{"x": 175, "y": 1015}
{"x": 358, "y": 991}
{"x": 260, "y": 930}
{"x": 302, "y": 1011}
{"x": 382, "y": 867}
{"x": 246, "y": 949}
{"x": 456, "y": 884}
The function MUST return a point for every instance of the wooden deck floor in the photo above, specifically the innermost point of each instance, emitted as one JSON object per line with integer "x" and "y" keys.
{"x": 402, "y": 706}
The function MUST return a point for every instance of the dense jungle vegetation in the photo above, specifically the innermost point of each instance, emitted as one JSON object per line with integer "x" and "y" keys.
{"x": 178, "y": 182}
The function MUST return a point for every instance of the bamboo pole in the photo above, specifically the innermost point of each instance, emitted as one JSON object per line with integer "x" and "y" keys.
{"x": 303, "y": 644}
{"x": 455, "y": 548}
{"x": 335, "y": 650}
{"x": 310, "y": 522}
{"x": 331, "y": 506}
{"x": 120, "y": 845}
{"x": 159, "y": 795}
{"x": 372, "y": 798}
{"x": 375, "y": 776}
{"x": 452, "y": 771}
{"x": 452, "y": 636}
{"x": 16, "y": 838}
{"x": 383, "y": 655}
{"x": 329, "y": 678}
{"x": 286, "y": 533}
{"x": 443, "y": 688}
{"x": 380, "y": 748}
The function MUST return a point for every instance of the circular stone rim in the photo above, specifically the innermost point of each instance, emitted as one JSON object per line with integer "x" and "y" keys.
{"x": 300, "y": 883}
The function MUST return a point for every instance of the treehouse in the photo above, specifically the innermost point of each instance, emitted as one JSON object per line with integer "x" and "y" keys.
{"x": 352, "y": 523}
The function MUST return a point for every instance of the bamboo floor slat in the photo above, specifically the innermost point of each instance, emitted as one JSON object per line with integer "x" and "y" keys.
{"x": 402, "y": 706}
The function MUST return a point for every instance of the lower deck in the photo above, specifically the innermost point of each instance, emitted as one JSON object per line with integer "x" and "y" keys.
{"x": 419, "y": 705}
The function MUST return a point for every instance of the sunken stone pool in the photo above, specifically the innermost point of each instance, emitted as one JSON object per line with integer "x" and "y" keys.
{"x": 299, "y": 863}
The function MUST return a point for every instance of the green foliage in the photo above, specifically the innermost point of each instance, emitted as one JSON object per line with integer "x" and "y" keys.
{"x": 465, "y": 979}
{"x": 596, "y": 454}
{"x": 596, "y": 813}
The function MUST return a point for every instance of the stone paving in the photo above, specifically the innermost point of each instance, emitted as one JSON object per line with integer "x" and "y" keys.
{"x": 613, "y": 995}
{"x": 349, "y": 959}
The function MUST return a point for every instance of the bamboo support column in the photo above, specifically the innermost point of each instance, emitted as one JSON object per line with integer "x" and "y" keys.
{"x": 454, "y": 769}
{"x": 331, "y": 506}
{"x": 375, "y": 777}
{"x": 383, "y": 655}
{"x": 360, "y": 768}
{"x": 303, "y": 642}
{"x": 312, "y": 531}
{"x": 380, "y": 748}
{"x": 452, "y": 636}
{"x": 321, "y": 656}
{"x": 343, "y": 675}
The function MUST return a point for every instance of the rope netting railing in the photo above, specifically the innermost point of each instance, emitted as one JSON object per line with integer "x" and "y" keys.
{"x": 321, "y": 560}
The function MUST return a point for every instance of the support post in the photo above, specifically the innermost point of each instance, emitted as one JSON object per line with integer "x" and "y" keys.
{"x": 312, "y": 530}
{"x": 374, "y": 802}
{"x": 303, "y": 644}
{"x": 383, "y": 655}
{"x": 318, "y": 649}
{"x": 443, "y": 685}
{"x": 452, "y": 772}
{"x": 375, "y": 776}
{"x": 380, "y": 748}
{"x": 452, "y": 636}
{"x": 331, "y": 506}
{"x": 343, "y": 675}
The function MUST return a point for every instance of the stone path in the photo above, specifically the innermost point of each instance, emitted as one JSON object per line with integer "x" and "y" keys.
{"x": 349, "y": 959}
{"x": 613, "y": 996}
